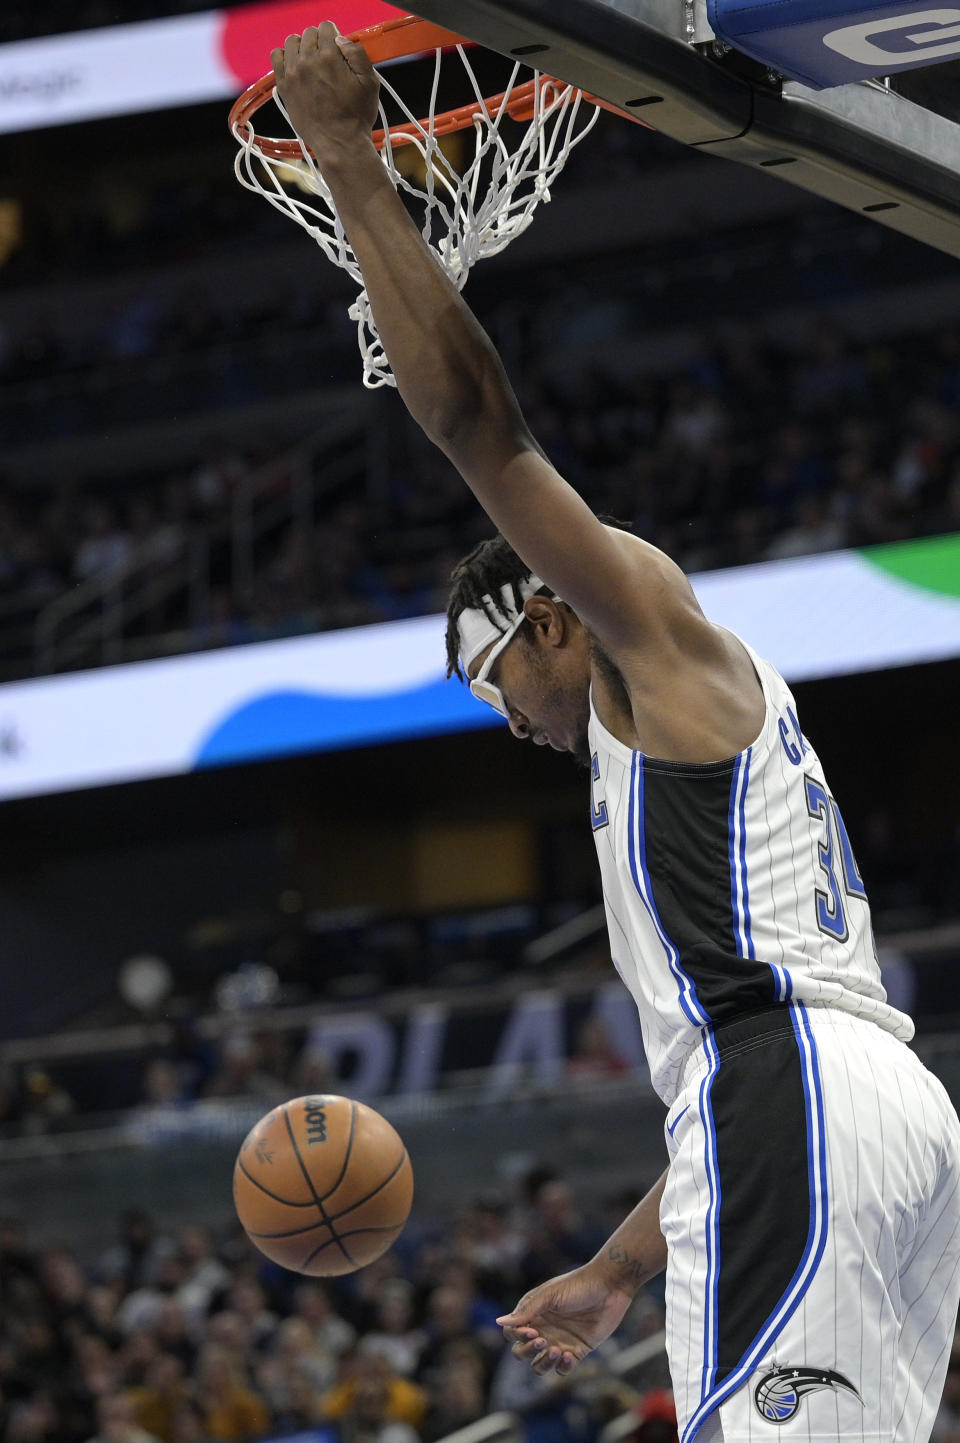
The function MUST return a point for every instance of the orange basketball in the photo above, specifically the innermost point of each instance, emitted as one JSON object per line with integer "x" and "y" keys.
{"x": 323, "y": 1185}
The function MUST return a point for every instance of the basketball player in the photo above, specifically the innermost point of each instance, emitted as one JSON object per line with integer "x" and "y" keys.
{"x": 808, "y": 1218}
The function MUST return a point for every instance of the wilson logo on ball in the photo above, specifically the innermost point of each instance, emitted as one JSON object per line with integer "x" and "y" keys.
{"x": 316, "y": 1120}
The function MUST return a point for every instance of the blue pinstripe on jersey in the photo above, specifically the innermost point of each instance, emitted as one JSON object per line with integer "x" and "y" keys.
{"x": 711, "y": 1355}
{"x": 738, "y": 868}
{"x": 739, "y": 882}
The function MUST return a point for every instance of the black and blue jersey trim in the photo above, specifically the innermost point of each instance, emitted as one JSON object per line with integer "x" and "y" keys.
{"x": 636, "y": 824}
{"x": 754, "y": 1228}
{"x": 688, "y": 856}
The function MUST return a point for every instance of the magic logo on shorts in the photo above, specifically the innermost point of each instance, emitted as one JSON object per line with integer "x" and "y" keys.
{"x": 780, "y": 1392}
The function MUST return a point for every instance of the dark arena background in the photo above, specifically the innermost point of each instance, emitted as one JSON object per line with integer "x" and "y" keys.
{"x": 253, "y": 846}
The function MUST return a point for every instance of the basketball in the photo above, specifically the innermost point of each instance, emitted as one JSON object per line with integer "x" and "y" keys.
{"x": 323, "y": 1185}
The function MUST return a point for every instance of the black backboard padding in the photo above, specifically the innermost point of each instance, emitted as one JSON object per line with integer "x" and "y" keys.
{"x": 894, "y": 167}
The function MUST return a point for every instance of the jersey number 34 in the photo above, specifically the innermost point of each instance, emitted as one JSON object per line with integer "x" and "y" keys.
{"x": 837, "y": 862}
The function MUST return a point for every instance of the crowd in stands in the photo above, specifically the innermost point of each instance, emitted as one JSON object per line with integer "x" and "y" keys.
{"x": 148, "y": 1089}
{"x": 195, "y": 1339}
{"x": 346, "y": 961}
{"x": 761, "y": 442}
{"x": 191, "y": 1339}
{"x": 752, "y": 452}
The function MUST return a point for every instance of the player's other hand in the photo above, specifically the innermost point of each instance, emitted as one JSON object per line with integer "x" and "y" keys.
{"x": 555, "y": 1326}
{"x": 329, "y": 87}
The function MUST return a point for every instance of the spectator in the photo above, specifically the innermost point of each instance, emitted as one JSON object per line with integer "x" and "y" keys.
{"x": 203, "y": 1273}
{"x": 101, "y": 1313}
{"x": 241, "y": 1073}
{"x": 656, "y": 1418}
{"x": 394, "y": 1336}
{"x": 156, "y": 543}
{"x": 172, "y": 1333}
{"x": 299, "y": 1408}
{"x": 694, "y": 421}
{"x": 247, "y": 1299}
{"x": 162, "y": 1085}
{"x": 698, "y": 456}
{"x": 368, "y": 1420}
{"x": 559, "y": 1239}
{"x": 333, "y": 1334}
{"x": 133, "y": 1259}
{"x": 94, "y": 1371}
{"x": 44, "y": 1103}
{"x": 224, "y": 623}
{"x": 594, "y": 1055}
{"x": 104, "y": 551}
{"x": 116, "y": 1422}
{"x": 189, "y": 1423}
{"x": 156, "y": 1403}
{"x": 813, "y": 528}
{"x": 141, "y": 1308}
{"x": 17, "y": 1261}
{"x": 233, "y": 1413}
{"x": 450, "y": 1332}
{"x": 217, "y": 479}
{"x": 137, "y": 1356}
{"x": 64, "y": 1286}
{"x": 406, "y": 1401}
{"x": 294, "y": 1353}
{"x": 37, "y": 1420}
{"x": 231, "y": 1333}
{"x": 459, "y": 1398}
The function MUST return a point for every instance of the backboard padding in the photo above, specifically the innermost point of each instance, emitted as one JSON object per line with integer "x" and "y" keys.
{"x": 862, "y": 146}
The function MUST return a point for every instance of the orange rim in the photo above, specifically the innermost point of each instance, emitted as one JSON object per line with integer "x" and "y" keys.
{"x": 392, "y": 39}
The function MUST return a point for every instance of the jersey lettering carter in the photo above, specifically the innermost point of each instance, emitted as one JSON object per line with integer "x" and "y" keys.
{"x": 730, "y": 886}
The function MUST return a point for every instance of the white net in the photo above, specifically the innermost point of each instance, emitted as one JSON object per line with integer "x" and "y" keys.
{"x": 468, "y": 215}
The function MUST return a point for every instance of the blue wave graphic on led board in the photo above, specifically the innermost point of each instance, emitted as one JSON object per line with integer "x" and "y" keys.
{"x": 284, "y": 723}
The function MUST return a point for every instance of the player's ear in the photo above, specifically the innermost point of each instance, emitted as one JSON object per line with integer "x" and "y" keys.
{"x": 549, "y": 618}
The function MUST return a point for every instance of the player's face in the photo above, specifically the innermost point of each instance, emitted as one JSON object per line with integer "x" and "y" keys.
{"x": 546, "y": 689}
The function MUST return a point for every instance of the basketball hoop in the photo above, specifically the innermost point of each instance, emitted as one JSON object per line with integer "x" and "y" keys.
{"x": 468, "y": 216}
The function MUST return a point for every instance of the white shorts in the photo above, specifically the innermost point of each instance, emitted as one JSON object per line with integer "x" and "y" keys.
{"x": 812, "y": 1220}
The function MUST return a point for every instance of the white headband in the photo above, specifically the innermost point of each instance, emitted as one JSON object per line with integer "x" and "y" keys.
{"x": 474, "y": 627}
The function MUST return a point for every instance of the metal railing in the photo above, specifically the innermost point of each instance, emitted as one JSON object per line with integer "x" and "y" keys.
{"x": 79, "y": 1043}
{"x": 626, "y": 1366}
{"x": 96, "y": 621}
{"x": 88, "y": 624}
{"x": 495, "y": 1428}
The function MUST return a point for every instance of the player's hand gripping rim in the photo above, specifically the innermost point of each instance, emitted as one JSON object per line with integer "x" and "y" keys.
{"x": 328, "y": 85}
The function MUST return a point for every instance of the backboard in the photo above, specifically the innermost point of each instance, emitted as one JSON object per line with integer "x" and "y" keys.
{"x": 865, "y": 145}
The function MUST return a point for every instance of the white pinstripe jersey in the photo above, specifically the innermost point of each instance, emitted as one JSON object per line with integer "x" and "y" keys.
{"x": 730, "y": 886}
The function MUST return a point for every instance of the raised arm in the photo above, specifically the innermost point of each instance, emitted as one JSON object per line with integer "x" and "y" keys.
{"x": 448, "y": 372}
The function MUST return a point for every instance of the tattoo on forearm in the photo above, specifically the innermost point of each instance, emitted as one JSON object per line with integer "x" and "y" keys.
{"x": 633, "y": 1268}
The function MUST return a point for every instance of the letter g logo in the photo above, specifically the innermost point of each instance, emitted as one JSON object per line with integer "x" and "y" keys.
{"x": 856, "y": 43}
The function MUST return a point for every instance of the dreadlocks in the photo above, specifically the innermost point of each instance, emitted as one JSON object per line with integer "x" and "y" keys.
{"x": 483, "y": 572}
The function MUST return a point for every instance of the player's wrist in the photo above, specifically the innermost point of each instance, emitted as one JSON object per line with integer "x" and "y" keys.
{"x": 622, "y": 1269}
{"x": 340, "y": 154}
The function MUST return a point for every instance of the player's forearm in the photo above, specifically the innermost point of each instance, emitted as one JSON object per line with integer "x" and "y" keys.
{"x": 637, "y": 1251}
{"x": 446, "y": 368}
